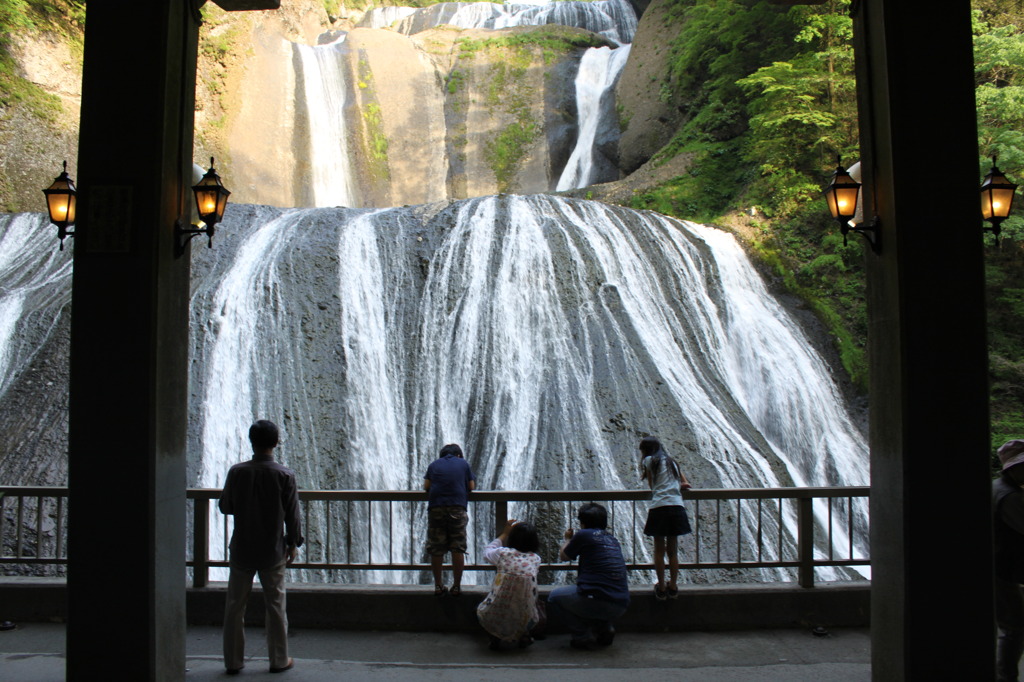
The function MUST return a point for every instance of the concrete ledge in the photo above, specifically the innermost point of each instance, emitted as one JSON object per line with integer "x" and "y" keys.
{"x": 33, "y": 600}
{"x": 415, "y": 608}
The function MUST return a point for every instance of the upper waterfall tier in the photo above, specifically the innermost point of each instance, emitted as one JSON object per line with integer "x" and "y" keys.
{"x": 613, "y": 19}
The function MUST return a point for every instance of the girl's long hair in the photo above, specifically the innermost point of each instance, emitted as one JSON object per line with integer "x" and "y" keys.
{"x": 651, "y": 447}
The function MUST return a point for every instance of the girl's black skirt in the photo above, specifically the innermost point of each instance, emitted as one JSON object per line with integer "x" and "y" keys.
{"x": 667, "y": 521}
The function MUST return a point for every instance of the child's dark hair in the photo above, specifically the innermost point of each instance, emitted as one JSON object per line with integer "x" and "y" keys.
{"x": 593, "y": 515}
{"x": 523, "y": 537}
{"x": 264, "y": 434}
{"x": 451, "y": 449}
{"x": 651, "y": 447}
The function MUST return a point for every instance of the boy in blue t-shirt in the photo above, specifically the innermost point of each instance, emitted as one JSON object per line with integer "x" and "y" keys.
{"x": 601, "y": 593}
{"x": 448, "y": 482}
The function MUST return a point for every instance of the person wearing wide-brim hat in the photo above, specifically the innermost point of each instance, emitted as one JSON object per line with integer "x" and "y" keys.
{"x": 1008, "y": 534}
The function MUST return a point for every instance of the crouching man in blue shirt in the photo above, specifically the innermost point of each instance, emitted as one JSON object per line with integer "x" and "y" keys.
{"x": 601, "y": 593}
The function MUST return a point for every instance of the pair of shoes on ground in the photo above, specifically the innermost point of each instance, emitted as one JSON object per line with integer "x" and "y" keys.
{"x": 602, "y": 638}
{"x": 583, "y": 643}
{"x": 606, "y": 636}
{"x": 496, "y": 644}
{"x": 287, "y": 666}
{"x": 663, "y": 592}
{"x": 441, "y": 590}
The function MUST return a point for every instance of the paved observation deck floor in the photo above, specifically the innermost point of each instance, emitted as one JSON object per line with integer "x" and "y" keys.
{"x": 34, "y": 652}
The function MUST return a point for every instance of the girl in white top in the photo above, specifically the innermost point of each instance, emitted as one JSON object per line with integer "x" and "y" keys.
{"x": 666, "y": 518}
{"x": 509, "y": 611}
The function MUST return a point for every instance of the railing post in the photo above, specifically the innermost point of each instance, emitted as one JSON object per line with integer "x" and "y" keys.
{"x": 500, "y": 516}
{"x": 200, "y": 541}
{"x": 805, "y": 540}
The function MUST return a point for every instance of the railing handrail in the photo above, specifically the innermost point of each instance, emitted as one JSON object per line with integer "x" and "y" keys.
{"x": 567, "y": 495}
{"x": 803, "y": 536}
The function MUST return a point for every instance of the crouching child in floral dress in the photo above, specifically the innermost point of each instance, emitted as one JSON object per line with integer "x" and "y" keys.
{"x": 509, "y": 611}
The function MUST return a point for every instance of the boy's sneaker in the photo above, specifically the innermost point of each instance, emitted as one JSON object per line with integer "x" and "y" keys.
{"x": 584, "y": 644}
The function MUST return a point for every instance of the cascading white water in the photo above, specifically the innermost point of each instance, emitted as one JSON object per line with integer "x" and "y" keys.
{"x": 384, "y": 17}
{"x": 613, "y": 19}
{"x": 32, "y": 290}
{"x": 325, "y": 89}
{"x": 599, "y": 70}
{"x": 520, "y": 327}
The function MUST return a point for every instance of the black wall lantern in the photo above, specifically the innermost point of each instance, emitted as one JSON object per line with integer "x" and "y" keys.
{"x": 211, "y": 200}
{"x": 842, "y": 196}
{"x": 61, "y": 200}
{"x": 996, "y": 199}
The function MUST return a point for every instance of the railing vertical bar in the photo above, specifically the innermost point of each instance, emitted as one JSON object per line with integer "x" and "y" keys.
{"x": 369, "y": 532}
{"x": 849, "y": 525}
{"x": 500, "y": 516}
{"x": 327, "y": 531}
{"x": 782, "y": 525}
{"x": 696, "y": 532}
{"x": 805, "y": 541}
{"x": 3, "y": 517}
{"x": 200, "y": 541}
{"x": 739, "y": 531}
{"x": 760, "y": 539}
{"x": 632, "y": 529}
{"x": 412, "y": 533}
{"x": 306, "y": 528}
{"x": 828, "y": 501}
{"x": 18, "y": 531}
{"x": 718, "y": 530}
{"x": 60, "y": 525}
{"x": 39, "y": 526}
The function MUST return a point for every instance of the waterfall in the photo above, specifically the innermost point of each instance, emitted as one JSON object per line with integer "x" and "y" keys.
{"x": 35, "y": 289}
{"x": 523, "y": 328}
{"x": 613, "y": 19}
{"x": 541, "y": 333}
{"x": 599, "y": 71}
{"x": 325, "y": 95}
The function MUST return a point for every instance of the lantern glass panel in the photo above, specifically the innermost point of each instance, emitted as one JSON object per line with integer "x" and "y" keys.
{"x": 846, "y": 200}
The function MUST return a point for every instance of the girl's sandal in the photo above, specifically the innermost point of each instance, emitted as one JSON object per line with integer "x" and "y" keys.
{"x": 439, "y": 590}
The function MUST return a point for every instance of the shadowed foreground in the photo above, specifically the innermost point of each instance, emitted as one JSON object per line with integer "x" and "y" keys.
{"x": 34, "y": 653}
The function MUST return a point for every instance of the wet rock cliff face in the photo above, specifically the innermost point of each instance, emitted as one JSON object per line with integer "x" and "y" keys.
{"x": 445, "y": 113}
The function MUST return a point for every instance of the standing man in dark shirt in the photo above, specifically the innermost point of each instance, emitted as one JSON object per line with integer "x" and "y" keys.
{"x": 262, "y": 496}
{"x": 601, "y": 593}
{"x": 1008, "y": 534}
{"x": 448, "y": 482}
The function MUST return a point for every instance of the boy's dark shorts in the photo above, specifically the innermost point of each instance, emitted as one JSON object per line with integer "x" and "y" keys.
{"x": 446, "y": 530}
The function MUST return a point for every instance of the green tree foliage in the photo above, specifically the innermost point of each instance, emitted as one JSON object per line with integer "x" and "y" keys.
{"x": 803, "y": 111}
{"x": 999, "y": 78}
{"x": 999, "y": 75}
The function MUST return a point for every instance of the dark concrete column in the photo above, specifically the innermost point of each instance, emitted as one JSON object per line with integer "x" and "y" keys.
{"x": 931, "y": 613}
{"x": 129, "y": 345}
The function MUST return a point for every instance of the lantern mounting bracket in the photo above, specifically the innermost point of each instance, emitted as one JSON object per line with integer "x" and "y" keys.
{"x": 872, "y": 232}
{"x": 183, "y": 235}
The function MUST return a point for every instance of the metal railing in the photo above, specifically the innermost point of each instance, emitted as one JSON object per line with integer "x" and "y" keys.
{"x": 794, "y": 530}
{"x": 32, "y": 525}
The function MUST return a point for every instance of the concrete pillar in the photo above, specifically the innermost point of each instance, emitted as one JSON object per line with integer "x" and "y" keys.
{"x": 931, "y": 613}
{"x": 129, "y": 344}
